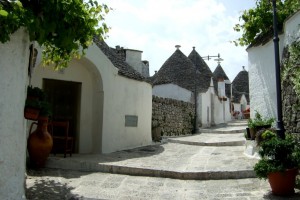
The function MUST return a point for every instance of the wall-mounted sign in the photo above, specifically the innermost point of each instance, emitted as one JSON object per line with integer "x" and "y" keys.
{"x": 131, "y": 120}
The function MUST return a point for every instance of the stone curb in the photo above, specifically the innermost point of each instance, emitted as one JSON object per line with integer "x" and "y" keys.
{"x": 218, "y": 131}
{"x": 217, "y": 144}
{"x": 77, "y": 165}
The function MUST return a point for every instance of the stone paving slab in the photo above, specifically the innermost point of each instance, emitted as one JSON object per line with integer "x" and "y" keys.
{"x": 49, "y": 184}
{"x": 208, "y": 139}
{"x": 224, "y": 130}
{"x": 165, "y": 160}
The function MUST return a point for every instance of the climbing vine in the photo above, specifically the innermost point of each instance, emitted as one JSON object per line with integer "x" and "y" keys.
{"x": 65, "y": 28}
{"x": 259, "y": 20}
{"x": 291, "y": 65}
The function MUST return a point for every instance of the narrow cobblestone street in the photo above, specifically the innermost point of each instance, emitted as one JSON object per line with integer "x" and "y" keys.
{"x": 210, "y": 165}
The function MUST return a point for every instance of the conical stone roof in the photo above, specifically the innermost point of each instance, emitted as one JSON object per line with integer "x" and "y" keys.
{"x": 179, "y": 70}
{"x": 219, "y": 73}
{"x": 240, "y": 86}
{"x": 202, "y": 67}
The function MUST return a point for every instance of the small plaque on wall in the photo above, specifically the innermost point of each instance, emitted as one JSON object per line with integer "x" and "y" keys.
{"x": 131, "y": 120}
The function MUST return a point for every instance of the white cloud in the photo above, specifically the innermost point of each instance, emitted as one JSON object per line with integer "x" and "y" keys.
{"x": 156, "y": 26}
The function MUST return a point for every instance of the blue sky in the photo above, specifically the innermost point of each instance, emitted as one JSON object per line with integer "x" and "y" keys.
{"x": 156, "y": 26}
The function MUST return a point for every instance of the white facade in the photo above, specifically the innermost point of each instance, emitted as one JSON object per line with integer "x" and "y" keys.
{"x": 210, "y": 109}
{"x": 173, "y": 91}
{"x": 242, "y": 105}
{"x": 262, "y": 85}
{"x": 106, "y": 98}
{"x": 13, "y": 82}
{"x": 134, "y": 59}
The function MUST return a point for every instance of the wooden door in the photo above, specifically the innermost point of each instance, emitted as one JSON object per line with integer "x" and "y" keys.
{"x": 64, "y": 97}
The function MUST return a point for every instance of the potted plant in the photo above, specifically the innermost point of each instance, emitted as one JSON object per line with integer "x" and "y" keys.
{"x": 32, "y": 109}
{"x": 279, "y": 162}
{"x": 40, "y": 142}
{"x": 264, "y": 134}
{"x": 35, "y": 93}
{"x": 33, "y": 102}
{"x": 259, "y": 123}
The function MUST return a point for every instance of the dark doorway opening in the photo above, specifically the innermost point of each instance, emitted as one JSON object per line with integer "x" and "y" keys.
{"x": 64, "y": 97}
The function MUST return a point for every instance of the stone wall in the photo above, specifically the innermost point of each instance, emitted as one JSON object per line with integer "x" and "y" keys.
{"x": 290, "y": 90}
{"x": 171, "y": 117}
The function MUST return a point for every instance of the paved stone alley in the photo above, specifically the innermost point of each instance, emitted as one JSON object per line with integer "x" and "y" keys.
{"x": 210, "y": 165}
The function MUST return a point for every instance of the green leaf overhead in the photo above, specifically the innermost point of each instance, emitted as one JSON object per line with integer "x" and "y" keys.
{"x": 65, "y": 28}
{"x": 259, "y": 20}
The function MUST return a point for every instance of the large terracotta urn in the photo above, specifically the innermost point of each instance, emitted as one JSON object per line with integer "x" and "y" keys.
{"x": 39, "y": 143}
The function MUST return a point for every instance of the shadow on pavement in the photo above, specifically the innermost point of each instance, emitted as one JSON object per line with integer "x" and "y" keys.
{"x": 270, "y": 196}
{"x": 139, "y": 152}
{"x": 49, "y": 189}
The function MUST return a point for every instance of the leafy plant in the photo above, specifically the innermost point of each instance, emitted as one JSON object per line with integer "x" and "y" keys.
{"x": 35, "y": 92}
{"x": 36, "y": 98}
{"x": 33, "y": 103}
{"x": 277, "y": 155}
{"x": 259, "y": 20}
{"x": 265, "y": 134}
{"x": 64, "y": 28}
{"x": 259, "y": 121}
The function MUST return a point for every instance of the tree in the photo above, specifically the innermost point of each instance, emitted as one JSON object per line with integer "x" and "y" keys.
{"x": 65, "y": 28}
{"x": 259, "y": 20}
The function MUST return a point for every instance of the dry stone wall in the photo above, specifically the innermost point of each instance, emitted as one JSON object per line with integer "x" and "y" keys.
{"x": 171, "y": 117}
{"x": 290, "y": 97}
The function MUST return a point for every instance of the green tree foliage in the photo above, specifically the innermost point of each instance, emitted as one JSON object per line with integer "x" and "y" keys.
{"x": 259, "y": 20}
{"x": 65, "y": 28}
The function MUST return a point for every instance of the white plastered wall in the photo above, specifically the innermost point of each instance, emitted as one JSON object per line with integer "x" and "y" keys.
{"x": 262, "y": 85}
{"x": 13, "y": 79}
{"x": 106, "y": 99}
{"x": 262, "y": 69}
{"x": 205, "y": 109}
{"x": 173, "y": 91}
{"x": 221, "y": 110}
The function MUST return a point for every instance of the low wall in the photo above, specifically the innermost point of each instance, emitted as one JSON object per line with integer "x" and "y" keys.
{"x": 171, "y": 117}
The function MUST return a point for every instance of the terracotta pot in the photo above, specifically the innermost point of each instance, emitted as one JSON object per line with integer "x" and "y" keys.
{"x": 252, "y": 133}
{"x": 31, "y": 113}
{"x": 39, "y": 143}
{"x": 283, "y": 183}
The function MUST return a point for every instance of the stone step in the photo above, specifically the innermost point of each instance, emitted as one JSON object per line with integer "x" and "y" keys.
{"x": 167, "y": 160}
{"x": 208, "y": 139}
{"x": 224, "y": 130}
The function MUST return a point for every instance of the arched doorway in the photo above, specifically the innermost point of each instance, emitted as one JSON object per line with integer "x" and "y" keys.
{"x": 77, "y": 87}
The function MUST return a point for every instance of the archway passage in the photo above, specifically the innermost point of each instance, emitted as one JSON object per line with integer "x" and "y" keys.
{"x": 64, "y": 98}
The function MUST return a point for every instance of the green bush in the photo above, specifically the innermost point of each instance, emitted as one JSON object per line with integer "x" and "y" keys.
{"x": 277, "y": 155}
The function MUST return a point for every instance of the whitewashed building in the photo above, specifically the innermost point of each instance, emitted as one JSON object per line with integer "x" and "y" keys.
{"x": 181, "y": 77}
{"x": 107, "y": 102}
{"x": 240, "y": 91}
{"x": 262, "y": 82}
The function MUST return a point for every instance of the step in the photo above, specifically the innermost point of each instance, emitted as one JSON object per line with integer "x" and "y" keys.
{"x": 224, "y": 130}
{"x": 168, "y": 160}
{"x": 208, "y": 139}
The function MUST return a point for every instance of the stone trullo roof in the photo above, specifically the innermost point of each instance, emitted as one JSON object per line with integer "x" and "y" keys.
{"x": 219, "y": 73}
{"x": 202, "y": 67}
{"x": 124, "y": 68}
{"x": 240, "y": 86}
{"x": 179, "y": 70}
